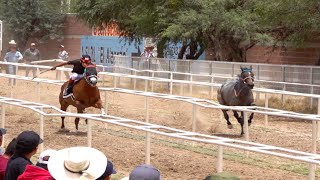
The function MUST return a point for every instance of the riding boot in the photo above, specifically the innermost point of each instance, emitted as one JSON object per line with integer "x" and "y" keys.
{"x": 69, "y": 87}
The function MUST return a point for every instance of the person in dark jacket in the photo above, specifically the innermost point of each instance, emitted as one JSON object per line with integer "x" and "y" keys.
{"x": 26, "y": 147}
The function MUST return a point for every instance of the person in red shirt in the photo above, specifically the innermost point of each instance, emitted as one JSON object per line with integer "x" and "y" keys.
{"x": 35, "y": 173}
{"x": 5, "y": 157}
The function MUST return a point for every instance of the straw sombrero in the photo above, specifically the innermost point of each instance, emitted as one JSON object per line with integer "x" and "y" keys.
{"x": 77, "y": 163}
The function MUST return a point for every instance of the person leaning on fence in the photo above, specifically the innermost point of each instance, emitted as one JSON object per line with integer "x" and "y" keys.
{"x": 12, "y": 56}
{"x": 6, "y": 156}
{"x": 26, "y": 147}
{"x": 30, "y": 55}
{"x": 63, "y": 54}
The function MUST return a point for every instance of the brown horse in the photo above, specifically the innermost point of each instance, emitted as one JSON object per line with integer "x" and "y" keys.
{"x": 85, "y": 94}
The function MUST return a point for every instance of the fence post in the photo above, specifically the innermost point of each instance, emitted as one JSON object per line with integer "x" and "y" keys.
{"x": 114, "y": 82}
{"x": 103, "y": 70}
{"x": 105, "y": 102}
{"x": 38, "y": 92}
{"x": 266, "y": 105}
{"x": 89, "y": 133}
{"x": 171, "y": 83}
{"x": 220, "y": 159}
{"x": 41, "y": 123}
{"x": 17, "y": 71}
{"x": 232, "y": 73}
{"x": 283, "y": 80}
{"x": 318, "y": 122}
{"x": 258, "y": 84}
{"x": 194, "y": 119}
{"x": 246, "y": 128}
{"x": 311, "y": 90}
{"x": 211, "y": 80}
{"x": 190, "y": 85}
{"x": 152, "y": 82}
{"x": 146, "y": 85}
{"x": 312, "y": 167}
{"x": 148, "y": 135}
{"x": 135, "y": 81}
{"x": 3, "y": 121}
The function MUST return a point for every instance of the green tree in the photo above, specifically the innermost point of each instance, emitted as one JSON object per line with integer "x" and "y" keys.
{"x": 24, "y": 19}
{"x": 228, "y": 27}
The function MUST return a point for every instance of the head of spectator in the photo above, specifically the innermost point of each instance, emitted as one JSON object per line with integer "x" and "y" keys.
{"x": 44, "y": 158}
{"x": 6, "y": 156}
{"x": 61, "y": 47}
{"x": 32, "y": 46}
{"x": 27, "y": 144}
{"x": 26, "y": 147}
{"x": 144, "y": 171}
{"x": 12, "y": 43}
{"x": 2, "y": 133}
{"x": 108, "y": 172}
{"x": 77, "y": 163}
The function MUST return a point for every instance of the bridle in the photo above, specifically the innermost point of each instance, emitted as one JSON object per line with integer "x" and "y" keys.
{"x": 244, "y": 81}
{"x": 87, "y": 78}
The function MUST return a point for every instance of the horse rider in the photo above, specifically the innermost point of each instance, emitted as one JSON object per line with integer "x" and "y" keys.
{"x": 79, "y": 66}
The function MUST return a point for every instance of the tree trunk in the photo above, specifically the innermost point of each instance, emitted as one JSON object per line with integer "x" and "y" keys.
{"x": 161, "y": 46}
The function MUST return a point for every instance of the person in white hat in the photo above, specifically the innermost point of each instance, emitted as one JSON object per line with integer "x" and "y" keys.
{"x": 31, "y": 54}
{"x": 12, "y": 56}
{"x": 82, "y": 163}
{"x": 63, "y": 54}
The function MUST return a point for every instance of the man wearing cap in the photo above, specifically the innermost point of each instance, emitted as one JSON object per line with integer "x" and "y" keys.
{"x": 108, "y": 172}
{"x": 63, "y": 54}
{"x": 12, "y": 56}
{"x": 26, "y": 147}
{"x": 144, "y": 171}
{"x": 31, "y": 54}
{"x": 79, "y": 66}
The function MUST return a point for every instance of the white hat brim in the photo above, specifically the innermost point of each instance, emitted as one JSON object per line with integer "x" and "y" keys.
{"x": 98, "y": 164}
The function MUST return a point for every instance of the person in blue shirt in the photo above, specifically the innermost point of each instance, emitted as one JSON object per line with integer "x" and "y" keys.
{"x": 12, "y": 56}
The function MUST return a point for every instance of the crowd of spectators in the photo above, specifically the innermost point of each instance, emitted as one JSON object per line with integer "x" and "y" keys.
{"x": 83, "y": 163}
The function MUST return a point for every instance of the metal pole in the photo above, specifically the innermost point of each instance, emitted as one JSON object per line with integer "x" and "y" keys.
{"x": 38, "y": 92}
{"x": 266, "y": 105}
{"x": 171, "y": 79}
{"x": 312, "y": 167}
{"x": 146, "y": 85}
{"x": 89, "y": 133}
{"x": 190, "y": 85}
{"x": 194, "y": 113}
{"x": 103, "y": 70}
{"x": 282, "y": 95}
{"x": 135, "y": 81}
{"x": 211, "y": 87}
{"x": 148, "y": 135}
{"x": 114, "y": 81}
{"x": 283, "y": 80}
{"x": 246, "y": 128}
{"x": 41, "y": 129}
{"x": 3, "y": 121}
{"x": 220, "y": 159}
{"x": 17, "y": 71}
{"x": 105, "y": 102}
{"x": 311, "y": 99}
{"x": 318, "y": 122}
{"x": 312, "y": 90}
{"x": 152, "y": 82}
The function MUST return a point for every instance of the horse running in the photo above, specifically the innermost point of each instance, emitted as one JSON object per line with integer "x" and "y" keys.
{"x": 85, "y": 94}
{"x": 237, "y": 93}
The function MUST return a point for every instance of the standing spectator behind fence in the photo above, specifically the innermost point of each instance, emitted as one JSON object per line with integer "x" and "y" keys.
{"x": 12, "y": 56}
{"x": 31, "y": 54}
{"x": 63, "y": 54}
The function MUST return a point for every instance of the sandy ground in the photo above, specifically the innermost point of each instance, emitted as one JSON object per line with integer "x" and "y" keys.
{"x": 175, "y": 159}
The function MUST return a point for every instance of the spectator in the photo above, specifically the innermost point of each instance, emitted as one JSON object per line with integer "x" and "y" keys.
{"x": 12, "y": 56}
{"x": 63, "y": 54}
{"x": 31, "y": 54}
{"x": 44, "y": 158}
{"x": 77, "y": 163}
{"x": 108, "y": 172}
{"x": 26, "y": 147}
{"x": 2, "y": 133}
{"x": 12, "y": 43}
{"x": 35, "y": 173}
{"x": 144, "y": 172}
{"x": 5, "y": 157}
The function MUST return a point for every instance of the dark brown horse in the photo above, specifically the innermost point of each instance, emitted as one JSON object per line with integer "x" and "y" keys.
{"x": 85, "y": 94}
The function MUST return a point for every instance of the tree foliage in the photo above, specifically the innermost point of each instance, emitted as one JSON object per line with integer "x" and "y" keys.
{"x": 228, "y": 27}
{"x": 24, "y": 19}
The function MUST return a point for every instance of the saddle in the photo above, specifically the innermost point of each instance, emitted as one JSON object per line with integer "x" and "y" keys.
{"x": 68, "y": 91}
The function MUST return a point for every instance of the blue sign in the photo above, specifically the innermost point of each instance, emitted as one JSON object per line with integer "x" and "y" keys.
{"x": 102, "y": 48}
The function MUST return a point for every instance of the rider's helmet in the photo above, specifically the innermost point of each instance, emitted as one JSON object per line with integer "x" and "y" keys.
{"x": 85, "y": 59}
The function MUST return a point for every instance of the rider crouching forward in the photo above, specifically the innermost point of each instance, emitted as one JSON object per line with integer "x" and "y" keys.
{"x": 79, "y": 66}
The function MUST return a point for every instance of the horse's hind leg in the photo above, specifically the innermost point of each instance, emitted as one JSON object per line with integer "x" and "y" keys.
{"x": 242, "y": 122}
{"x": 226, "y": 116}
{"x": 76, "y": 121}
{"x": 236, "y": 115}
{"x": 250, "y": 119}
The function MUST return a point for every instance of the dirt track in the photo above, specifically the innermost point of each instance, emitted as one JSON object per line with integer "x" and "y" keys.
{"x": 175, "y": 159}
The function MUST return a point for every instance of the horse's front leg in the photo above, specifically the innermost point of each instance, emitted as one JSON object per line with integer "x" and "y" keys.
{"x": 236, "y": 115}
{"x": 226, "y": 116}
{"x": 250, "y": 118}
{"x": 64, "y": 107}
{"x": 242, "y": 122}
{"x": 99, "y": 105}
{"x": 76, "y": 121}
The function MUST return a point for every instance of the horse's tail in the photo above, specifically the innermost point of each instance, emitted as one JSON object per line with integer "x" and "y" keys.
{"x": 219, "y": 95}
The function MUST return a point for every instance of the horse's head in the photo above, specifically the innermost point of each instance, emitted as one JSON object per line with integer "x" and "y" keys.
{"x": 91, "y": 75}
{"x": 247, "y": 76}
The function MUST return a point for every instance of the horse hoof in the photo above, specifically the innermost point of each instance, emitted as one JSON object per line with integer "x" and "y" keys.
{"x": 64, "y": 130}
{"x": 249, "y": 124}
{"x": 230, "y": 126}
